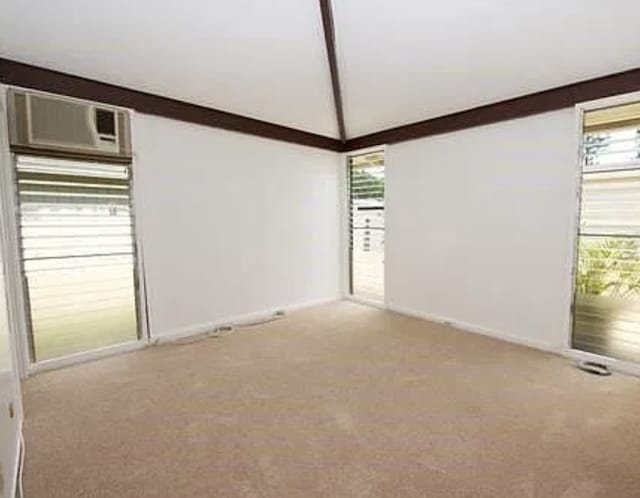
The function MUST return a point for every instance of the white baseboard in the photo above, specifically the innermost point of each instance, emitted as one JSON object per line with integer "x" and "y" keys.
{"x": 623, "y": 367}
{"x": 468, "y": 327}
{"x": 310, "y": 304}
{"x": 367, "y": 302}
{"x": 235, "y": 320}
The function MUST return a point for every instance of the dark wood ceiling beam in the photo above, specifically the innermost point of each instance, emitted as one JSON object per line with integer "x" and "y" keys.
{"x": 527, "y": 105}
{"x": 38, "y": 78}
{"x": 28, "y": 76}
{"x": 330, "y": 42}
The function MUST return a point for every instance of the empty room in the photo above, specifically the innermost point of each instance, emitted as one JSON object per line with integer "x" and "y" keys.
{"x": 319, "y": 248}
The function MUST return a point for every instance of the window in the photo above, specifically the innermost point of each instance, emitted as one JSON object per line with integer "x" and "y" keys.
{"x": 366, "y": 233}
{"x": 78, "y": 255}
{"x": 606, "y": 317}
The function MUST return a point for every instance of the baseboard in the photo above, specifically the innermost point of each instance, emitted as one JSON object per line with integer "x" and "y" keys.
{"x": 235, "y": 320}
{"x": 475, "y": 329}
{"x": 366, "y": 302}
{"x": 310, "y": 304}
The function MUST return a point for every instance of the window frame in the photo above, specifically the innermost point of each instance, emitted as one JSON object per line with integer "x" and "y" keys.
{"x": 347, "y": 280}
{"x": 567, "y": 343}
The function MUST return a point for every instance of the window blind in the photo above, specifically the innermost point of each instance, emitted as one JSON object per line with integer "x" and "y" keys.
{"x": 78, "y": 255}
{"x": 621, "y": 116}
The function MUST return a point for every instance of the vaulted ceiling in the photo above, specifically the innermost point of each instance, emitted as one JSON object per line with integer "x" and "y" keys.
{"x": 264, "y": 59}
{"x": 399, "y": 61}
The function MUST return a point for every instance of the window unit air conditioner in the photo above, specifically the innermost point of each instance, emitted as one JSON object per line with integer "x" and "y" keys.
{"x": 46, "y": 124}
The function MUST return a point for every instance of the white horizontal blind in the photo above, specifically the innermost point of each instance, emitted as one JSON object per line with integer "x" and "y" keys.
{"x": 77, "y": 255}
{"x": 607, "y": 300}
{"x": 614, "y": 149}
{"x": 366, "y": 202}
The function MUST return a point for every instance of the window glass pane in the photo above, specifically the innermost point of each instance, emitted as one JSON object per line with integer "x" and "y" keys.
{"x": 366, "y": 190}
{"x": 610, "y": 148}
{"x": 607, "y": 306}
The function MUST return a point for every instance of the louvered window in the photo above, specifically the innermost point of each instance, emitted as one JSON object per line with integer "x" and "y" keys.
{"x": 607, "y": 290}
{"x": 366, "y": 208}
{"x": 77, "y": 255}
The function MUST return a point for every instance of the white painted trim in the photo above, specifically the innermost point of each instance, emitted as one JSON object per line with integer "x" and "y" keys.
{"x": 7, "y": 221}
{"x": 475, "y": 329}
{"x": 367, "y": 302}
{"x": 309, "y": 304}
{"x": 142, "y": 291}
{"x": 367, "y": 150}
{"x": 616, "y": 100}
{"x": 8, "y": 229}
{"x": 345, "y": 267}
{"x": 236, "y": 320}
{"x": 575, "y": 226}
{"x": 78, "y": 358}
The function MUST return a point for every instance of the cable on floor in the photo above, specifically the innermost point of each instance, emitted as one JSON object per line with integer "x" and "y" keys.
{"x": 221, "y": 331}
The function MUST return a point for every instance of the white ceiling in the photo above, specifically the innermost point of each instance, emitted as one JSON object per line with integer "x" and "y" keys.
{"x": 403, "y": 61}
{"x": 257, "y": 58}
{"x": 400, "y": 61}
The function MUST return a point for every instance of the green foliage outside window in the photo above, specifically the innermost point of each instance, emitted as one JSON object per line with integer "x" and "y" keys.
{"x": 608, "y": 267}
{"x": 369, "y": 186}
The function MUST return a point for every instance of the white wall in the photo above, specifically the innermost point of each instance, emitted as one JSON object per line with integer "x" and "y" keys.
{"x": 232, "y": 224}
{"x": 9, "y": 383}
{"x": 9, "y": 395}
{"x": 480, "y": 227}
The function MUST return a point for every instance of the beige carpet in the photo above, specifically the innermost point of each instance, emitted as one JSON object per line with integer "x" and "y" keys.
{"x": 336, "y": 401}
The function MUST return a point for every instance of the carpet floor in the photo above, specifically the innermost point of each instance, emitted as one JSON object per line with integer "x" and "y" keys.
{"x": 341, "y": 400}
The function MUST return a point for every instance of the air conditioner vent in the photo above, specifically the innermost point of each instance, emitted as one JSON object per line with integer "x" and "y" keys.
{"x": 47, "y": 124}
{"x": 59, "y": 122}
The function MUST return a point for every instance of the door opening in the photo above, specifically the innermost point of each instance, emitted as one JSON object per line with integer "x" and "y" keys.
{"x": 366, "y": 226}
